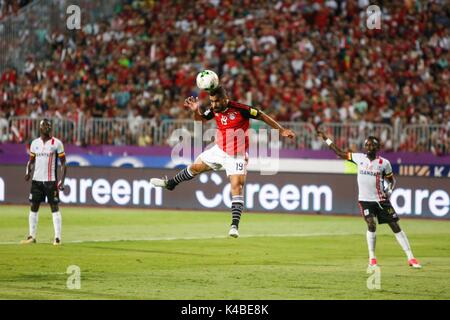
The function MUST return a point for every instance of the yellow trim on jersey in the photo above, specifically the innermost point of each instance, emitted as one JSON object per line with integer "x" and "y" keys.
{"x": 253, "y": 112}
{"x": 62, "y": 154}
{"x": 389, "y": 175}
{"x": 32, "y": 154}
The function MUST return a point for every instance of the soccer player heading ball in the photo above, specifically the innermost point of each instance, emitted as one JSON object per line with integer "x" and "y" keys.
{"x": 232, "y": 120}
{"x": 373, "y": 198}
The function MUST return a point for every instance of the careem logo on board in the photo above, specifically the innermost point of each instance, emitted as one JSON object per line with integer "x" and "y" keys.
{"x": 269, "y": 196}
{"x": 212, "y": 191}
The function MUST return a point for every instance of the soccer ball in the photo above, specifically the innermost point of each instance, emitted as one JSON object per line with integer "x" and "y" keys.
{"x": 207, "y": 80}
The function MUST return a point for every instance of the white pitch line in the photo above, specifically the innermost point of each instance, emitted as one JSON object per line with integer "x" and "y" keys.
{"x": 284, "y": 235}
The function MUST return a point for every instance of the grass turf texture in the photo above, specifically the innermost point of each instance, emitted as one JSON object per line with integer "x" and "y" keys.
{"x": 144, "y": 254}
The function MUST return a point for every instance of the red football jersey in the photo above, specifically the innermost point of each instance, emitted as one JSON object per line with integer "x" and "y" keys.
{"x": 232, "y": 127}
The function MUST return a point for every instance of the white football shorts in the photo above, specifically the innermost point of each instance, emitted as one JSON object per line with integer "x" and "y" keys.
{"x": 216, "y": 159}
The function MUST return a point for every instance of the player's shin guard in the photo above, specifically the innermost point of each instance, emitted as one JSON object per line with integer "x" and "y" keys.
{"x": 33, "y": 221}
{"x": 183, "y": 175}
{"x": 404, "y": 243}
{"x": 237, "y": 206}
{"x": 57, "y": 222}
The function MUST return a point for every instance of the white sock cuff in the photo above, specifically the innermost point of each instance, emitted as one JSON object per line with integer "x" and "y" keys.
{"x": 189, "y": 171}
{"x": 239, "y": 199}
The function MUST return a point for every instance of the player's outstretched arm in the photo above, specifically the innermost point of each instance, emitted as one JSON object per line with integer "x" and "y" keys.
{"x": 340, "y": 153}
{"x": 193, "y": 104}
{"x": 271, "y": 122}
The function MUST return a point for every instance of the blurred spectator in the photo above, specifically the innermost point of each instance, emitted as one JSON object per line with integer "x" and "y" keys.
{"x": 440, "y": 142}
{"x": 8, "y": 7}
{"x": 3, "y": 127}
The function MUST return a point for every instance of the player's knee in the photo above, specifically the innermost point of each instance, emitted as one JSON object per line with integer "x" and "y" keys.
{"x": 35, "y": 207}
{"x": 192, "y": 169}
{"x": 371, "y": 226}
{"x": 195, "y": 169}
{"x": 54, "y": 208}
{"x": 395, "y": 227}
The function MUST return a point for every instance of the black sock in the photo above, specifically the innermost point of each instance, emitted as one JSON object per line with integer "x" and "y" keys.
{"x": 183, "y": 175}
{"x": 237, "y": 206}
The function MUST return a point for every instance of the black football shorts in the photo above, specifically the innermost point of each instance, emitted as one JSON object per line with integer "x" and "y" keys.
{"x": 42, "y": 190}
{"x": 384, "y": 211}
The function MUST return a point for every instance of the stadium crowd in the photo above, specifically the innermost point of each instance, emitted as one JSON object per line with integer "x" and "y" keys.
{"x": 8, "y": 7}
{"x": 311, "y": 61}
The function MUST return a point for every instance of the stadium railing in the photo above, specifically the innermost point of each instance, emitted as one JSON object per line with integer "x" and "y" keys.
{"x": 421, "y": 138}
{"x": 305, "y": 132}
{"x": 24, "y": 129}
{"x": 119, "y": 131}
{"x": 144, "y": 132}
{"x": 4, "y": 130}
{"x": 351, "y": 136}
{"x": 29, "y": 32}
{"x": 106, "y": 131}
{"x": 170, "y": 130}
{"x": 305, "y": 136}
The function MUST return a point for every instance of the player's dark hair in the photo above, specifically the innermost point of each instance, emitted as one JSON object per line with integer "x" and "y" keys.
{"x": 374, "y": 139}
{"x": 219, "y": 92}
{"x": 46, "y": 120}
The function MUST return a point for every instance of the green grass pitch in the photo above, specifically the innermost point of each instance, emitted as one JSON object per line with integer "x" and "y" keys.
{"x": 186, "y": 255}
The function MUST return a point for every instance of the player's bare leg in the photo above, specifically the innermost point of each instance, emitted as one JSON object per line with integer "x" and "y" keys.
{"x": 404, "y": 243}
{"x": 371, "y": 239}
{"x": 186, "y": 174}
{"x": 57, "y": 223}
{"x": 237, "y": 202}
{"x": 32, "y": 222}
